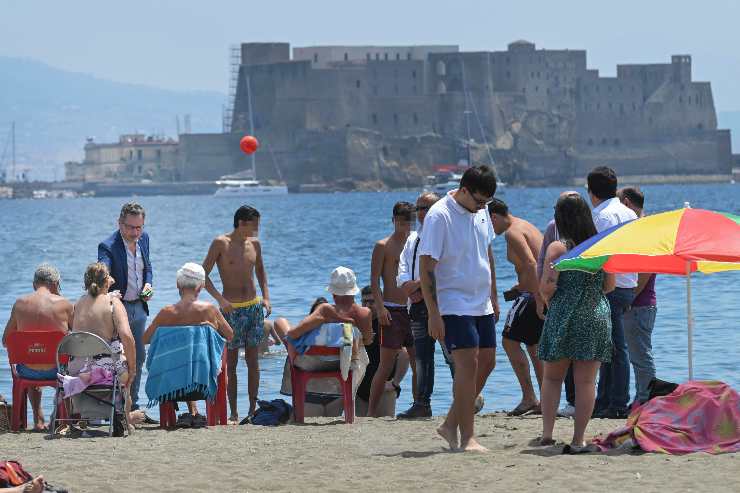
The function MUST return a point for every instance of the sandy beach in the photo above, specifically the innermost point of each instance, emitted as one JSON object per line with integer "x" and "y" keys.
{"x": 371, "y": 455}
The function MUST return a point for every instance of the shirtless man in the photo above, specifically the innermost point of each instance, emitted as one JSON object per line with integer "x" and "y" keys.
{"x": 190, "y": 310}
{"x": 390, "y": 303}
{"x": 44, "y": 309}
{"x": 525, "y": 319}
{"x": 238, "y": 256}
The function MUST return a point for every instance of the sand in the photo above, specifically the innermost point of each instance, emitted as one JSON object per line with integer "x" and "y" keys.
{"x": 371, "y": 455}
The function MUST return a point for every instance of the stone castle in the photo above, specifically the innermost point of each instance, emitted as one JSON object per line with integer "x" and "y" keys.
{"x": 390, "y": 114}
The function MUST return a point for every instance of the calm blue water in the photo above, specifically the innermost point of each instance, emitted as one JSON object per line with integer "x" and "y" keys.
{"x": 305, "y": 236}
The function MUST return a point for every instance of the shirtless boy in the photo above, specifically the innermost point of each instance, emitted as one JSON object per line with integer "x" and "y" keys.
{"x": 390, "y": 303}
{"x": 238, "y": 256}
{"x": 525, "y": 319}
{"x": 44, "y": 309}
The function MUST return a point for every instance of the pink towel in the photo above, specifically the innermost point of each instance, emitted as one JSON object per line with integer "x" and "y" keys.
{"x": 75, "y": 385}
{"x": 696, "y": 417}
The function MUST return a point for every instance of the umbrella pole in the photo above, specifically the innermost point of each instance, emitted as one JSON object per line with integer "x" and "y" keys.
{"x": 690, "y": 320}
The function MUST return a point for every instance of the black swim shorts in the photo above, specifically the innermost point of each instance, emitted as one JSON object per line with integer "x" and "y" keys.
{"x": 522, "y": 323}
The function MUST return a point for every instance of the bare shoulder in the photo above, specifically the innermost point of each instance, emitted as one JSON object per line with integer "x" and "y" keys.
{"x": 256, "y": 244}
{"x": 382, "y": 243}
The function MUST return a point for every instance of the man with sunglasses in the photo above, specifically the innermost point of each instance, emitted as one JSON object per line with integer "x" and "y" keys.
{"x": 458, "y": 281}
{"x": 126, "y": 253}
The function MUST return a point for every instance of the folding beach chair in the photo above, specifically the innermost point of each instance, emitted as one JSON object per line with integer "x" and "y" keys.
{"x": 96, "y": 402}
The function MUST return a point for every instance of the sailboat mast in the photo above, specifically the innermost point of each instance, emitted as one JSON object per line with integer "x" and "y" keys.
{"x": 251, "y": 125}
{"x": 12, "y": 144}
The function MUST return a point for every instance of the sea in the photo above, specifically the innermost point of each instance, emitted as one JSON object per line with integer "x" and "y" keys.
{"x": 305, "y": 236}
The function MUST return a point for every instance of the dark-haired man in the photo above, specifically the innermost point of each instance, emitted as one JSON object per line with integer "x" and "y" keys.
{"x": 639, "y": 320}
{"x": 126, "y": 253}
{"x": 525, "y": 319}
{"x": 238, "y": 256}
{"x": 390, "y": 302}
{"x": 458, "y": 281}
{"x": 614, "y": 377}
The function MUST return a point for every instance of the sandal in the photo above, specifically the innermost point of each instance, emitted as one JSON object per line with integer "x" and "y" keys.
{"x": 185, "y": 420}
{"x": 576, "y": 450}
{"x": 521, "y": 409}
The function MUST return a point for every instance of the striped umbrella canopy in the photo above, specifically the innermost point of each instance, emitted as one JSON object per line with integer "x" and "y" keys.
{"x": 675, "y": 242}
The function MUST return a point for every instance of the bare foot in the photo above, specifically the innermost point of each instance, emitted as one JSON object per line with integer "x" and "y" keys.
{"x": 474, "y": 446}
{"x": 35, "y": 486}
{"x": 449, "y": 435}
{"x": 233, "y": 419}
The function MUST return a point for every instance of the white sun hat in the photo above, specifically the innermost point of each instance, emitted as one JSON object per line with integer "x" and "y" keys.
{"x": 343, "y": 282}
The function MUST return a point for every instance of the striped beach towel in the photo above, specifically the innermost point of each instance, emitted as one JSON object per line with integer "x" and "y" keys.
{"x": 182, "y": 360}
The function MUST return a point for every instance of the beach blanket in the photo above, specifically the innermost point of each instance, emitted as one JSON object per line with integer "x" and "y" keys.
{"x": 328, "y": 335}
{"x": 696, "y": 417}
{"x": 182, "y": 360}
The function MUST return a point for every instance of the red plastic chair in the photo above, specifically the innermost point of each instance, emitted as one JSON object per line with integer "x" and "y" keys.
{"x": 299, "y": 380}
{"x": 215, "y": 411}
{"x": 31, "y": 348}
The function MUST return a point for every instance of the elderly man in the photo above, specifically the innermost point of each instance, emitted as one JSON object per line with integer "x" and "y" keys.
{"x": 191, "y": 278}
{"x": 126, "y": 253}
{"x": 44, "y": 309}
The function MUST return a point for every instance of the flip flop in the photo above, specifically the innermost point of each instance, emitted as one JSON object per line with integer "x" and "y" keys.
{"x": 520, "y": 409}
{"x": 542, "y": 442}
{"x": 576, "y": 450}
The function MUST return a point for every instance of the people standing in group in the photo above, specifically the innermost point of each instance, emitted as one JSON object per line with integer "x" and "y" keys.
{"x": 639, "y": 320}
{"x": 424, "y": 345}
{"x": 577, "y": 329}
{"x": 238, "y": 256}
{"x": 458, "y": 280}
{"x": 126, "y": 254}
{"x": 390, "y": 302}
{"x": 614, "y": 378}
{"x": 524, "y": 322}
{"x": 43, "y": 310}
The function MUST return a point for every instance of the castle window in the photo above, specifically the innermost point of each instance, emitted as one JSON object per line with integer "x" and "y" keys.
{"x": 616, "y": 142}
{"x": 700, "y": 126}
{"x": 315, "y": 58}
{"x": 375, "y": 90}
{"x": 508, "y": 59}
{"x": 385, "y": 56}
{"x": 130, "y": 155}
{"x": 610, "y": 106}
{"x": 408, "y": 56}
{"x": 139, "y": 154}
{"x": 590, "y": 142}
{"x": 416, "y": 119}
{"x": 609, "y": 88}
{"x": 524, "y": 89}
{"x": 689, "y": 99}
{"x": 367, "y": 56}
{"x": 598, "y": 106}
{"x": 548, "y": 90}
{"x": 357, "y": 83}
{"x": 377, "y": 56}
{"x": 531, "y": 75}
{"x": 634, "y": 106}
{"x": 384, "y": 150}
{"x": 375, "y": 119}
{"x": 597, "y": 88}
{"x": 413, "y": 74}
{"x": 621, "y": 108}
{"x": 508, "y": 74}
{"x": 680, "y": 99}
{"x": 538, "y": 75}
{"x": 346, "y": 57}
{"x": 159, "y": 154}
{"x": 395, "y": 118}
{"x": 603, "y": 141}
{"x": 536, "y": 88}
{"x": 398, "y": 56}
{"x": 395, "y": 88}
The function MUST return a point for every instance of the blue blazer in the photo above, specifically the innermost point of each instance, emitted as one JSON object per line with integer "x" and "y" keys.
{"x": 112, "y": 252}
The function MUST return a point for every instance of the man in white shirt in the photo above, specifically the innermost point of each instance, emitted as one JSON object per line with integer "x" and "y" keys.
{"x": 458, "y": 282}
{"x": 408, "y": 280}
{"x": 614, "y": 379}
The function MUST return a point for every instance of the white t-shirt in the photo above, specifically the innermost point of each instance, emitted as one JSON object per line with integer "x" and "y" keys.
{"x": 459, "y": 241}
{"x": 606, "y": 215}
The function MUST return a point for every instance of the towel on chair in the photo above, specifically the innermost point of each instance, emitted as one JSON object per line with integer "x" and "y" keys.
{"x": 328, "y": 335}
{"x": 182, "y": 360}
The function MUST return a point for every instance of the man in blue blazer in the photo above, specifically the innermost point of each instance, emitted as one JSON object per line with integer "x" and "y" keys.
{"x": 126, "y": 253}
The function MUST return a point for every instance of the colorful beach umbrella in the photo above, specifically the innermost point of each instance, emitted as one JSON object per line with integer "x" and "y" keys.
{"x": 675, "y": 242}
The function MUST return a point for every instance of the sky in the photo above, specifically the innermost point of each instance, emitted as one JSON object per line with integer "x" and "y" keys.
{"x": 184, "y": 44}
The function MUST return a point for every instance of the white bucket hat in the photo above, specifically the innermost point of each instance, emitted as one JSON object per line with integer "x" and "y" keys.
{"x": 343, "y": 282}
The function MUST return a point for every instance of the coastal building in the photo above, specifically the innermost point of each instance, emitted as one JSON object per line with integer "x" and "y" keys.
{"x": 134, "y": 157}
{"x": 391, "y": 114}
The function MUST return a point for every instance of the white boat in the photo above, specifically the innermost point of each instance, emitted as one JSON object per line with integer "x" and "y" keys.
{"x": 247, "y": 188}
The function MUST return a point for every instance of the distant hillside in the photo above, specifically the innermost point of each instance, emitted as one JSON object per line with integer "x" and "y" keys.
{"x": 55, "y": 111}
{"x": 731, "y": 120}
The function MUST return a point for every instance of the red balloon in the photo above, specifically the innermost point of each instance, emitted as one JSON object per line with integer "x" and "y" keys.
{"x": 249, "y": 144}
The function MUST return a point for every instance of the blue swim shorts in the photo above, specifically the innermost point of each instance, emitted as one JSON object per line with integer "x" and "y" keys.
{"x": 34, "y": 374}
{"x": 248, "y": 324}
{"x": 465, "y": 331}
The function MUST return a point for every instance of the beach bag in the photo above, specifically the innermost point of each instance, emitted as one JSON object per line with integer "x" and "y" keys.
{"x": 12, "y": 474}
{"x": 272, "y": 413}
